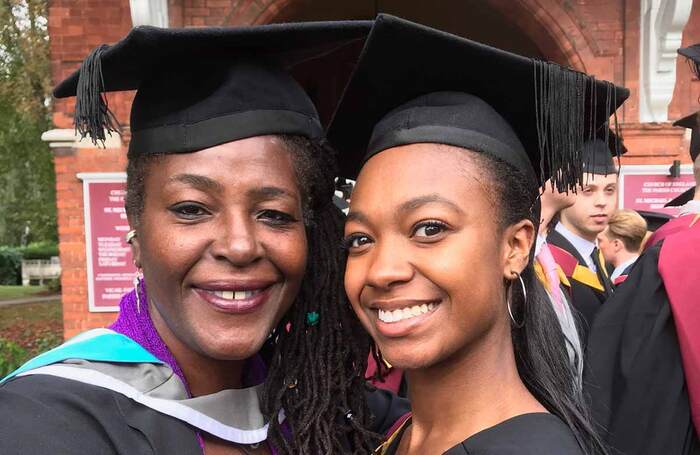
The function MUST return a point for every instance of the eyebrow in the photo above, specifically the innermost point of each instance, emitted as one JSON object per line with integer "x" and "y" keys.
{"x": 198, "y": 181}
{"x": 267, "y": 193}
{"x": 410, "y": 205}
{"x": 420, "y": 201}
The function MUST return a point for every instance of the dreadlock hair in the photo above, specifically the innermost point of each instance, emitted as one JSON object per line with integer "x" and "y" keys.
{"x": 315, "y": 371}
{"x": 539, "y": 344}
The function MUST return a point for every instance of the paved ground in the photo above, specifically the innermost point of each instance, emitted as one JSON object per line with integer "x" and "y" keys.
{"x": 44, "y": 298}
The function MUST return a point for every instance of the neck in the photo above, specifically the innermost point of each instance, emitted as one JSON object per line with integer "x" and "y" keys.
{"x": 472, "y": 390}
{"x": 204, "y": 374}
{"x": 576, "y": 231}
{"x": 622, "y": 257}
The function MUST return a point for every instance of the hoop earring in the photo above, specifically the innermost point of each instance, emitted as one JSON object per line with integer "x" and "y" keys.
{"x": 510, "y": 311}
{"x": 138, "y": 283}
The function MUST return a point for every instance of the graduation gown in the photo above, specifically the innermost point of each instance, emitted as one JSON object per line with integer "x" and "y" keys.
{"x": 634, "y": 377}
{"x": 527, "y": 434}
{"x": 102, "y": 392}
{"x": 587, "y": 291}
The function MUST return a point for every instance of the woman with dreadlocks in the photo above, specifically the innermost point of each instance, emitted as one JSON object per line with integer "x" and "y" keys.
{"x": 236, "y": 338}
{"x": 439, "y": 266}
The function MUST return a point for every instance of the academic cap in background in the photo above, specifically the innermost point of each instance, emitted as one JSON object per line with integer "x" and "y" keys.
{"x": 598, "y": 153}
{"x": 416, "y": 84}
{"x": 201, "y": 87}
{"x": 654, "y": 219}
{"x": 692, "y": 53}
{"x": 692, "y": 122}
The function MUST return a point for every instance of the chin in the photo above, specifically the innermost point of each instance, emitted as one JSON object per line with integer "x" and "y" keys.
{"x": 238, "y": 348}
{"x": 408, "y": 358}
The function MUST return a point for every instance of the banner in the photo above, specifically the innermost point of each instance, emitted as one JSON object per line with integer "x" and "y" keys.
{"x": 650, "y": 187}
{"x": 110, "y": 268}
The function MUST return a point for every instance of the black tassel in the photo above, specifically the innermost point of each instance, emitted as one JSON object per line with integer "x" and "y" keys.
{"x": 92, "y": 114}
{"x": 694, "y": 67}
{"x": 566, "y": 109}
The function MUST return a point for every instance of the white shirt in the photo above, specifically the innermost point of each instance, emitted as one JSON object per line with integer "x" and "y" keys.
{"x": 583, "y": 246}
{"x": 621, "y": 268}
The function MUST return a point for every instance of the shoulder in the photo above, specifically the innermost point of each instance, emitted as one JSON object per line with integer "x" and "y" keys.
{"x": 528, "y": 434}
{"x": 61, "y": 416}
{"x": 386, "y": 408}
{"x": 53, "y": 415}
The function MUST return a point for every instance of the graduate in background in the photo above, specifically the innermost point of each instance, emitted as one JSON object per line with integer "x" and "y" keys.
{"x": 441, "y": 231}
{"x": 573, "y": 239}
{"x": 621, "y": 242}
{"x": 642, "y": 372}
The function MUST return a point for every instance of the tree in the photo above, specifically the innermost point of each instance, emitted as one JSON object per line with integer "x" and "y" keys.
{"x": 27, "y": 180}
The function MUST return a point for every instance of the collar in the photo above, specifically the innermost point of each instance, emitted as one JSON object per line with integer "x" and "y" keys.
{"x": 584, "y": 247}
{"x": 621, "y": 268}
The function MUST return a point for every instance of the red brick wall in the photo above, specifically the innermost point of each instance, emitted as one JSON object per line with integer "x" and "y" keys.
{"x": 597, "y": 36}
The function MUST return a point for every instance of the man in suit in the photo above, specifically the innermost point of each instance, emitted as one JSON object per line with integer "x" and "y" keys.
{"x": 621, "y": 241}
{"x": 573, "y": 239}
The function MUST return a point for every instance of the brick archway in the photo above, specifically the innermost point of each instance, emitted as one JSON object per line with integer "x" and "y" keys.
{"x": 546, "y": 22}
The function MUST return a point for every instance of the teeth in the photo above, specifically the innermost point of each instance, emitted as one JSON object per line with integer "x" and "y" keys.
{"x": 235, "y": 295}
{"x": 405, "y": 313}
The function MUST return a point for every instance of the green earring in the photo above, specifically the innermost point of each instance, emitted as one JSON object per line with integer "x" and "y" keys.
{"x": 312, "y": 318}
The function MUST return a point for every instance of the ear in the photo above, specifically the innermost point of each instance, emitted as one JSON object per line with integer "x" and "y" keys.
{"x": 135, "y": 245}
{"x": 518, "y": 239}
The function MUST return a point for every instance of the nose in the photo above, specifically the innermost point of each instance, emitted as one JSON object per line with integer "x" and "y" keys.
{"x": 600, "y": 199}
{"x": 389, "y": 267}
{"x": 236, "y": 241}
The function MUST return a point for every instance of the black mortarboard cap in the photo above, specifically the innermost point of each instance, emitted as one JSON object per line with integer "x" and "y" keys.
{"x": 200, "y": 87}
{"x": 692, "y": 122}
{"x": 598, "y": 153}
{"x": 417, "y": 84}
{"x": 692, "y": 53}
{"x": 654, "y": 219}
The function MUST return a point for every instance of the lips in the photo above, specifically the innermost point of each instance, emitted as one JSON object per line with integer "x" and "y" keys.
{"x": 235, "y": 297}
{"x": 398, "y": 318}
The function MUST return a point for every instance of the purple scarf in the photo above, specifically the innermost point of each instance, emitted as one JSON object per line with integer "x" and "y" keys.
{"x": 137, "y": 325}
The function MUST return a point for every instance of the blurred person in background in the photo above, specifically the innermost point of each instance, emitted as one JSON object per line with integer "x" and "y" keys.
{"x": 621, "y": 242}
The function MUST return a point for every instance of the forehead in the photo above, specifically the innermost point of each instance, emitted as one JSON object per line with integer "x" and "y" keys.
{"x": 261, "y": 160}
{"x": 401, "y": 173}
{"x": 599, "y": 180}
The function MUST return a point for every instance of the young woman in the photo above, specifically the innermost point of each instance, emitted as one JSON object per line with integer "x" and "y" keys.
{"x": 236, "y": 339}
{"x": 440, "y": 236}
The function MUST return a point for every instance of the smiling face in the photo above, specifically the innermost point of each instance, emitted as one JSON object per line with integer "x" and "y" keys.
{"x": 426, "y": 257}
{"x": 222, "y": 245}
{"x": 595, "y": 202}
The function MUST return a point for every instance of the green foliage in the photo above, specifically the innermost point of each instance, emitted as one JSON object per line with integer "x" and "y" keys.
{"x": 12, "y": 356}
{"x": 54, "y": 285}
{"x": 40, "y": 250}
{"x": 10, "y": 265}
{"x": 27, "y": 180}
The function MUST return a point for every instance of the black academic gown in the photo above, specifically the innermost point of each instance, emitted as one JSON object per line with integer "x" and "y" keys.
{"x": 584, "y": 298}
{"x": 634, "y": 375}
{"x": 528, "y": 434}
{"x": 50, "y": 415}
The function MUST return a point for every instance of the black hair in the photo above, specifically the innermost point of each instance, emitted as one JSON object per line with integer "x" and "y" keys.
{"x": 539, "y": 344}
{"x": 315, "y": 370}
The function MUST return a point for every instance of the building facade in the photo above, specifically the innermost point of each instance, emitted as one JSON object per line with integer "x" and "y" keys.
{"x": 630, "y": 42}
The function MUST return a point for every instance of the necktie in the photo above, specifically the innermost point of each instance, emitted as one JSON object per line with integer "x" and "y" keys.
{"x": 602, "y": 276}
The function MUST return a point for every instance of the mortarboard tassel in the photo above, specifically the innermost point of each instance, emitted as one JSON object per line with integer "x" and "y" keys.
{"x": 563, "y": 125}
{"x": 92, "y": 114}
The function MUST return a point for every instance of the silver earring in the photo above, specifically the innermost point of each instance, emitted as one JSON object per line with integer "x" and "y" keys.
{"x": 510, "y": 311}
{"x": 138, "y": 280}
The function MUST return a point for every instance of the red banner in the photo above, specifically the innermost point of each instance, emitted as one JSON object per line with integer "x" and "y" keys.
{"x": 110, "y": 267}
{"x": 650, "y": 187}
